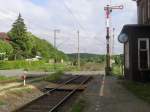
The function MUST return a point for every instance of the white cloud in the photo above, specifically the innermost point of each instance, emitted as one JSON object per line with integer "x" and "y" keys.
{"x": 42, "y": 19}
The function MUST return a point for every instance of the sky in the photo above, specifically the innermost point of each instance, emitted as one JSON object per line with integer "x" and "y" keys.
{"x": 42, "y": 17}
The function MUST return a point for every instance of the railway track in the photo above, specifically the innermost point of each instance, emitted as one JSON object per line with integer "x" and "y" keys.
{"x": 54, "y": 98}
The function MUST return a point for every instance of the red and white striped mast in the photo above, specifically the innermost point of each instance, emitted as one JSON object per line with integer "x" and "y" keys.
{"x": 108, "y": 10}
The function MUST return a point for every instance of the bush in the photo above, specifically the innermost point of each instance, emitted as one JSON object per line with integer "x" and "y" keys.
{"x": 117, "y": 71}
{"x": 55, "y": 76}
{"x": 5, "y": 48}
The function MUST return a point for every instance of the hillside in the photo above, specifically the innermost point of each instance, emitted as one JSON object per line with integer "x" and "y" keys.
{"x": 19, "y": 44}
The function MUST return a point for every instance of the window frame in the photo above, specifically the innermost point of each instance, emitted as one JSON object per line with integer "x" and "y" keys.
{"x": 147, "y": 49}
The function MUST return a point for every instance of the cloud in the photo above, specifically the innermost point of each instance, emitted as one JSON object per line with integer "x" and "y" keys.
{"x": 69, "y": 16}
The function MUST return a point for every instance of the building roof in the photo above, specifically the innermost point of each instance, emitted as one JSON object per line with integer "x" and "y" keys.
{"x": 132, "y": 26}
{"x": 134, "y": 30}
{"x": 4, "y": 36}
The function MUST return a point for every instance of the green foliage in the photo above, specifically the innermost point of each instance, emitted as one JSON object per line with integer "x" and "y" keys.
{"x": 19, "y": 38}
{"x": 141, "y": 90}
{"x": 26, "y": 45}
{"x": 87, "y": 58}
{"x": 2, "y": 103}
{"x": 79, "y": 106}
{"x": 21, "y": 91}
{"x": 6, "y": 48}
{"x": 118, "y": 59}
{"x": 116, "y": 70}
{"x": 32, "y": 65}
{"x": 4, "y": 78}
{"x": 19, "y": 64}
{"x": 55, "y": 76}
{"x": 117, "y": 66}
{"x": 90, "y": 66}
{"x": 44, "y": 49}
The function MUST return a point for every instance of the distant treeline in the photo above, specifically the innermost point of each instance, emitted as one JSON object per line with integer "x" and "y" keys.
{"x": 96, "y": 58}
{"x": 85, "y": 57}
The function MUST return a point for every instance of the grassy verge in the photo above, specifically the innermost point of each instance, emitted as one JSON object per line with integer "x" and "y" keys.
{"x": 79, "y": 106}
{"x": 21, "y": 91}
{"x": 55, "y": 76}
{"x": 33, "y": 65}
{"x": 140, "y": 90}
{"x": 4, "y": 78}
{"x": 2, "y": 103}
{"x": 92, "y": 66}
{"x": 117, "y": 71}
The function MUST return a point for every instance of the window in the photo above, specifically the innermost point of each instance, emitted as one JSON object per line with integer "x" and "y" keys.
{"x": 143, "y": 54}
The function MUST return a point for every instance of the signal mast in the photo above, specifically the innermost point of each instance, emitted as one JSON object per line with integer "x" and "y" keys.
{"x": 108, "y": 10}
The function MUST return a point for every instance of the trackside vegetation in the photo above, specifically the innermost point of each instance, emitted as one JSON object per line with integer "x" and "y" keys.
{"x": 117, "y": 66}
{"x": 54, "y": 76}
{"x": 32, "y": 65}
{"x": 5, "y": 78}
{"x": 2, "y": 103}
{"x": 141, "y": 90}
{"x": 79, "y": 106}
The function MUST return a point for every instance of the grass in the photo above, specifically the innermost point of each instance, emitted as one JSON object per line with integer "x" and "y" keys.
{"x": 21, "y": 91}
{"x": 141, "y": 90}
{"x": 79, "y": 106}
{"x": 117, "y": 71}
{"x": 92, "y": 66}
{"x": 5, "y": 78}
{"x": 2, "y": 103}
{"x": 33, "y": 65}
{"x": 55, "y": 76}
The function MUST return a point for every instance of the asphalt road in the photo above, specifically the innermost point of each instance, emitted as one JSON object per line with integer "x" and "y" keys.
{"x": 20, "y": 72}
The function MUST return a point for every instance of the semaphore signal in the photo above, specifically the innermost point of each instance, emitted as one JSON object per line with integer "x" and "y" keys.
{"x": 108, "y": 10}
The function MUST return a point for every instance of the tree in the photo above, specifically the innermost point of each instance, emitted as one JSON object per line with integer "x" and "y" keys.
{"x": 5, "y": 49}
{"x": 27, "y": 45}
{"x": 41, "y": 47}
{"x": 19, "y": 38}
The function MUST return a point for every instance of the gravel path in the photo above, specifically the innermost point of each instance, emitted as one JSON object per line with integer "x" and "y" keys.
{"x": 111, "y": 97}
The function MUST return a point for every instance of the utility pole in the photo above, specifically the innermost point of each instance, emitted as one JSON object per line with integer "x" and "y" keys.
{"x": 78, "y": 49}
{"x": 108, "y": 9}
{"x": 55, "y": 37}
{"x": 55, "y": 33}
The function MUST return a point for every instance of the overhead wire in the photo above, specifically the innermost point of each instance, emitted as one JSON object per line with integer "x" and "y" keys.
{"x": 36, "y": 24}
{"x": 73, "y": 15}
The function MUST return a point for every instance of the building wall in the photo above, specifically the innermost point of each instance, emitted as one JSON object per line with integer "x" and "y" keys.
{"x": 143, "y": 11}
{"x": 133, "y": 54}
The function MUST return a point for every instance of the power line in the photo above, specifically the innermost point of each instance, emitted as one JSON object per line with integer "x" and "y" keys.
{"x": 72, "y": 14}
